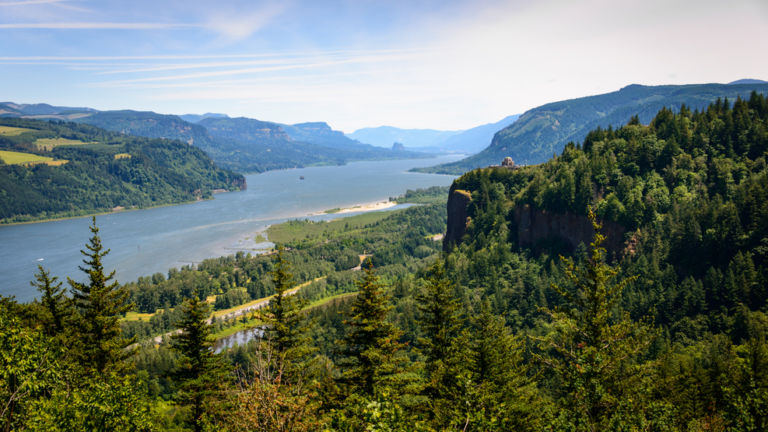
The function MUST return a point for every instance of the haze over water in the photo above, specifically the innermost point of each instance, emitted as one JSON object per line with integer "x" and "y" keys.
{"x": 154, "y": 240}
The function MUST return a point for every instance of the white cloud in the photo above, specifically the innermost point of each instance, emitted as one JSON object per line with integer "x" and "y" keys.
{"x": 95, "y": 26}
{"x": 30, "y": 2}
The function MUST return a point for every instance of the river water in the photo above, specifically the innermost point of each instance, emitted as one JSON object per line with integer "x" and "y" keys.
{"x": 144, "y": 242}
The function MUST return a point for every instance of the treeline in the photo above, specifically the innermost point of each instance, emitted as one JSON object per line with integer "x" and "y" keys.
{"x": 108, "y": 170}
{"x": 398, "y": 243}
{"x": 496, "y": 336}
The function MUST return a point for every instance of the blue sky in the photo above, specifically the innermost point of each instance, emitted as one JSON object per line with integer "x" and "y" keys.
{"x": 358, "y": 63}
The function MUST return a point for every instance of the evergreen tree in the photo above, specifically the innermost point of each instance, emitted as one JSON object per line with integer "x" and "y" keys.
{"x": 285, "y": 325}
{"x": 55, "y": 306}
{"x": 98, "y": 303}
{"x": 440, "y": 323}
{"x": 200, "y": 373}
{"x": 499, "y": 392}
{"x": 440, "y": 317}
{"x": 590, "y": 352}
{"x": 371, "y": 342}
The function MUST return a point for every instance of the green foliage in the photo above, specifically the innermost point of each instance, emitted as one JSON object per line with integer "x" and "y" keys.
{"x": 28, "y": 367}
{"x": 55, "y": 308}
{"x": 285, "y": 324}
{"x": 110, "y": 402}
{"x": 200, "y": 373}
{"x": 371, "y": 343}
{"x": 588, "y": 350}
{"x": 98, "y": 305}
{"x": 158, "y": 172}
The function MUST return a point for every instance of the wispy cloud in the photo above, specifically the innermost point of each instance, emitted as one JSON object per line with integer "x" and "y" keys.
{"x": 288, "y": 54}
{"x": 29, "y": 2}
{"x": 304, "y": 64}
{"x": 96, "y": 26}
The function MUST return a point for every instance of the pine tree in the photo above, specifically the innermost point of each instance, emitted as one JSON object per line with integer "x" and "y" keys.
{"x": 440, "y": 319}
{"x": 440, "y": 324}
{"x": 200, "y": 373}
{"x": 285, "y": 325}
{"x": 371, "y": 342}
{"x": 55, "y": 306}
{"x": 590, "y": 352}
{"x": 98, "y": 303}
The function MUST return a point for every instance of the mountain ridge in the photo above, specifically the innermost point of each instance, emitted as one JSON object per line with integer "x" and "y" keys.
{"x": 543, "y": 131}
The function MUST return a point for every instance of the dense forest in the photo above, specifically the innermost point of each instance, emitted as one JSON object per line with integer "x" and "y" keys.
{"x": 93, "y": 170}
{"x": 649, "y": 316}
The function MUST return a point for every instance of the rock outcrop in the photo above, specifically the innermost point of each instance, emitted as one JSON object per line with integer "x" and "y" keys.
{"x": 458, "y": 201}
{"x": 535, "y": 226}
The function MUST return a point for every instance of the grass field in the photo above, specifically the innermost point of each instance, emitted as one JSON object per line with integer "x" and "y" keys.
{"x": 19, "y": 158}
{"x": 50, "y": 143}
{"x": 122, "y": 156}
{"x": 12, "y": 131}
{"x": 298, "y": 230}
{"x": 137, "y": 316}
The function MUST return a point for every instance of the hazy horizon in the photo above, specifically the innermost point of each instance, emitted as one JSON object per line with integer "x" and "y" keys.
{"x": 415, "y": 65}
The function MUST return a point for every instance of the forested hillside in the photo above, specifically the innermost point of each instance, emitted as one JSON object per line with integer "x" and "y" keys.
{"x": 618, "y": 286}
{"x": 543, "y": 131}
{"x": 67, "y": 169}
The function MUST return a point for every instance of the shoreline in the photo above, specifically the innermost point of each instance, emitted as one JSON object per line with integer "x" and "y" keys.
{"x": 115, "y": 210}
{"x": 361, "y": 208}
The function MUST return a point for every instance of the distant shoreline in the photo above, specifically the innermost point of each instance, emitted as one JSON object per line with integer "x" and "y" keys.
{"x": 115, "y": 210}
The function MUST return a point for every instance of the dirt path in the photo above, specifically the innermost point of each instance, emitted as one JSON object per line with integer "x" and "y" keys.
{"x": 243, "y": 309}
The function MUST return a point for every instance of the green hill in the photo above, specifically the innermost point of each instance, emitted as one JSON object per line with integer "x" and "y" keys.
{"x": 543, "y": 131}
{"x": 684, "y": 202}
{"x": 94, "y": 170}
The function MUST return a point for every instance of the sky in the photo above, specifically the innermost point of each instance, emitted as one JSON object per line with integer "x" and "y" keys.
{"x": 447, "y": 65}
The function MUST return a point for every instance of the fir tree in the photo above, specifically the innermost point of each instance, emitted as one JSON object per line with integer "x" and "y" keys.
{"x": 371, "y": 342}
{"x": 590, "y": 352}
{"x": 440, "y": 324}
{"x": 200, "y": 373}
{"x": 285, "y": 325}
{"x": 54, "y": 305}
{"x": 98, "y": 303}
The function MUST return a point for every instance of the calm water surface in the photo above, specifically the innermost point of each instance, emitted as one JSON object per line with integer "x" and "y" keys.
{"x": 147, "y": 241}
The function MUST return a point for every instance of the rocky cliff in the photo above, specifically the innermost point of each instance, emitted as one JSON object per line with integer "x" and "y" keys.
{"x": 534, "y": 228}
{"x": 458, "y": 200}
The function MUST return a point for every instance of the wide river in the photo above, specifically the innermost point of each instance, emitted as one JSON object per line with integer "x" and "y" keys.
{"x": 143, "y": 242}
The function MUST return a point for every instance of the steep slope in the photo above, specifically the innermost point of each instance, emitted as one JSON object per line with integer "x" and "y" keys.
{"x": 93, "y": 170}
{"x": 683, "y": 201}
{"x": 541, "y": 132}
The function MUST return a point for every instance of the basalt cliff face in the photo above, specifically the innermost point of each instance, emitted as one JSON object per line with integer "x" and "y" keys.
{"x": 458, "y": 201}
{"x": 534, "y": 228}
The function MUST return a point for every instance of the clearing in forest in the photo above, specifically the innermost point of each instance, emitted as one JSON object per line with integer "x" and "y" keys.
{"x": 49, "y": 143}
{"x": 19, "y": 158}
{"x": 12, "y": 131}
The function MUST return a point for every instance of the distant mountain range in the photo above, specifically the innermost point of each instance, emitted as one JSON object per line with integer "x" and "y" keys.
{"x": 467, "y": 141}
{"x": 543, "y": 131}
{"x": 241, "y": 144}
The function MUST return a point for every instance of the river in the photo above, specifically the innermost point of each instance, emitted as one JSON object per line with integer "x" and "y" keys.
{"x": 144, "y": 242}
